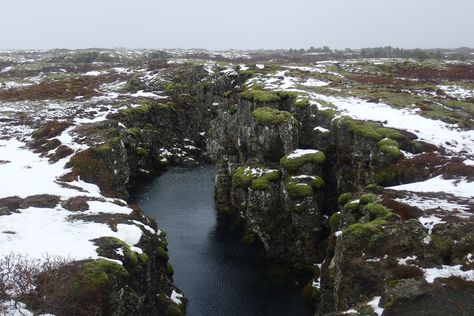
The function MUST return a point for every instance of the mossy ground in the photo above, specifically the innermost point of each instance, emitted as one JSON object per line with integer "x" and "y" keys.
{"x": 260, "y": 96}
{"x": 371, "y": 130}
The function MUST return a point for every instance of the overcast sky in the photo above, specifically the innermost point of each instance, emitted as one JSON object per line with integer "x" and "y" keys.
{"x": 242, "y": 24}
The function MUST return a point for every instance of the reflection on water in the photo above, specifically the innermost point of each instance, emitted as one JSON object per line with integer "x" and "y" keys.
{"x": 216, "y": 273}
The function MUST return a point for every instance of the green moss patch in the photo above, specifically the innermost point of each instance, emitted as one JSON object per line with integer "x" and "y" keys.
{"x": 371, "y": 130}
{"x": 96, "y": 274}
{"x": 300, "y": 157}
{"x": 299, "y": 187}
{"x": 390, "y": 147}
{"x": 108, "y": 247}
{"x": 334, "y": 221}
{"x": 260, "y": 96}
{"x": 344, "y": 198}
{"x": 270, "y": 116}
{"x": 298, "y": 190}
{"x": 257, "y": 177}
{"x": 140, "y": 151}
{"x": 378, "y": 215}
{"x": 301, "y": 102}
{"x": 367, "y": 198}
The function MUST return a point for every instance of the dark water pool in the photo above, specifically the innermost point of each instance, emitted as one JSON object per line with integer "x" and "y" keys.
{"x": 217, "y": 274}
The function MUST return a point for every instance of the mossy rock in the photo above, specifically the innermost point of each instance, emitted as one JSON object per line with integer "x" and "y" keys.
{"x": 103, "y": 150}
{"x": 388, "y": 142}
{"x": 247, "y": 73}
{"x": 367, "y": 198}
{"x": 344, "y": 198}
{"x": 174, "y": 310}
{"x": 297, "y": 190}
{"x": 169, "y": 269}
{"x": 135, "y": 132}
{"x": 301, "y": 103}
{"x": 293, "y": 162}
{"x": 443, "y": 244}
{"x": 318, "y": 182}
{"x": 140, "y": 151}
{"x": 260, "y": 180}
{"x": 162, "y": 254}
{"x": 360, "y": 230}
{"x": 109, "y": 245}
{"x": 96, "y": 274}
{"x": 334, "y": 221}
{"x": 371, "y": 130}
{"x": 391, "y": 151}
{"x": 263, "y": 183}
{"x": 376, "y": 210}
{"x": 285, "y": 95}
{"x": 372, "y": 187}
{"x": 352, "y": 205}
{"x": 390, "y": 147}
{"x": 271, "y": 116}
{"x": 328, "y": 113}
{"x": 365, "y": 310}
{"x": 260, "y": 96}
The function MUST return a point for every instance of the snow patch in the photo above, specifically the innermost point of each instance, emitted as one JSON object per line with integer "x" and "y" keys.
{"x": 461, "y": 188}
{"x": 301, "y": 152}
{"x": 446, "y": 272}
{"x": 176, "y": 297}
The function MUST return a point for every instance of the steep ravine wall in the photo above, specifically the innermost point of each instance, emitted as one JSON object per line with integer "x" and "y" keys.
{"x": 272, "y": 179}
{"x": 130, "y": 146}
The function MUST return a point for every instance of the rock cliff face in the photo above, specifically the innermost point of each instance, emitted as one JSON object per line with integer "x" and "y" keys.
{"x": 283, "y": 167}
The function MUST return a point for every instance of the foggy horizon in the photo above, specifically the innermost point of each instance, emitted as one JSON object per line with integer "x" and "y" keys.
{"x": 222, "y": 25}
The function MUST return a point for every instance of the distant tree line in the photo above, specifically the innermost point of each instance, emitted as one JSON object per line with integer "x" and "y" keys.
{"x": 462, "y": 53}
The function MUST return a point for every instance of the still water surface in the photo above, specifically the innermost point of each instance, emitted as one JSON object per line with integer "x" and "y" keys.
{"x": 217, "y": 274}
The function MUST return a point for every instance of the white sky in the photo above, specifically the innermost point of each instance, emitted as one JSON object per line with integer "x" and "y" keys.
{"x": 243, "y": 24}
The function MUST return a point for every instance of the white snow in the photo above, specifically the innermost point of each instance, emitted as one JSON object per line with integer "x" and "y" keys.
{"x": 301, "y": 152}
{"x": 28, "y": 174}
{"x": 176, "y": 297}
{"x": 460, "y": 188}
{"x": 321, "y": 129}
{"x": 314, "y": 83}
{"x": 97, "y": 207}
{"x": 93, "y": 73}
{"x": 6, "y": 69}
{"x": 436, "y": 204}
{"x": 457, "y": 91}
{"x": 404, "y": 261}
{"x": 243, "y": 67}
{"x": 39, "y": 232}
{"x": 469, "y": 162}
{"x": 435, "y": 132}
{"x": 447, "y": 271}
{"x": 429, "y": 222}
{"x": 143, "y": 94}
{"x": 374, "y": 303}
{"x": 260, "y": 66}
{"x": 12, "y": 308}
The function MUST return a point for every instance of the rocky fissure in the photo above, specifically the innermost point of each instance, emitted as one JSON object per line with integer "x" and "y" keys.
{"x": 305, "y": 182}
